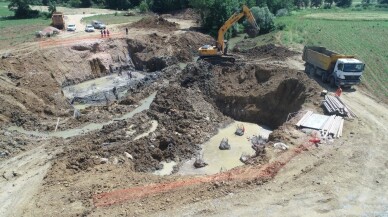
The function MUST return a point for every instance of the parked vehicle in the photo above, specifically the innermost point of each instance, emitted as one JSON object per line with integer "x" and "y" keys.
{"x": 98, "y": 25}
{"x": 71, "y": 27}
{"x": 338, "y": 69}
{"x": 89, "y": 28}
{"x": 58, "y": 20}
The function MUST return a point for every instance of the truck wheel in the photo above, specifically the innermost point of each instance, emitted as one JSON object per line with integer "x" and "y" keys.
{"x": 324, "y": 78}
{"x": 332, "y": 81}
{"x": 307, "y": 69}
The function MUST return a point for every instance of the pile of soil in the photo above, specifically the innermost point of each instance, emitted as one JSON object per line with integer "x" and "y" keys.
{"x": 185, "y": 14}
{"x": 268, "y": 50}
{"x": 155, "y": 52}
{"x": 155, "y": 22}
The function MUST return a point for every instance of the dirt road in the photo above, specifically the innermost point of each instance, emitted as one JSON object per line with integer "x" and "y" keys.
{"x": 347, "y": 177}
{"x": 21, "y": 179}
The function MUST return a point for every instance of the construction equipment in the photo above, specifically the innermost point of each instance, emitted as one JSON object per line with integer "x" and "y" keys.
{"x": 219, "y": 52}
{"x": 58, "y": 20}
{"x": 338, "y": 69}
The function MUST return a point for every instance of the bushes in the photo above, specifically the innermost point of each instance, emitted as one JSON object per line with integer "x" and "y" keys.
{"x": 264, "y": 18}
{"x": 143, "y": 7}
{"x": 282, "y": 12}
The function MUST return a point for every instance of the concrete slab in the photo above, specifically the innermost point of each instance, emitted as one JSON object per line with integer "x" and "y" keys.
{"x": 315, "y": 121}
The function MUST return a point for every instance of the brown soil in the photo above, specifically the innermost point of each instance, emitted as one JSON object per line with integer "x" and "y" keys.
{"x": 185, "y": 14}
{"x": 155, "y": 22}
{"x": 190, "y": 105}
{"x": 268, "y": 50}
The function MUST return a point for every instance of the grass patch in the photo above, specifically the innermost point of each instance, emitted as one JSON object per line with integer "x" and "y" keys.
{"x": 351, "y": 16}
{"x": 112, "y": 18}
{"x": 364, "y": 38}
{"x": 4, "y": 11}
{"x": 20, "y": 31}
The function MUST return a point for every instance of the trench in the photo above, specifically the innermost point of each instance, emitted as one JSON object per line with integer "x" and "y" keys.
{"x": 270, "y": 109}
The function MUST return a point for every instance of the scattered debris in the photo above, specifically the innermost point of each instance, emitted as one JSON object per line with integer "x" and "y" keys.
{"x": 128, "y": 155}
{"x": 240, "y": 130}
{"x": 199, "y": 162}
{"x": 280, "y": 145}
{"x": 224, "y": 145}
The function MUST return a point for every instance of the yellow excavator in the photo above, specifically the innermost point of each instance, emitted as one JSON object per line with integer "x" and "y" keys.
{"x": 219, "y": 52}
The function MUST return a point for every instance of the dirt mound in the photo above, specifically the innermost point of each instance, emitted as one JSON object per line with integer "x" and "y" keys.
{"x": 268, "y": 50}
{"x": 155, "y": 52}
{"x": 185, "y": 14}
{"x": 155, "y": 22}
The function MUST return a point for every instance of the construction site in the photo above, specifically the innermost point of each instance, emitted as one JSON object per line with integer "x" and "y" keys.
{"x": 139, "y": 125}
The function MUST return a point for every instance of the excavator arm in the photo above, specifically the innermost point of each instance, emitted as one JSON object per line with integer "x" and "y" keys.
{"x": 216, "y": 53}
{"x": 232, "y": 20}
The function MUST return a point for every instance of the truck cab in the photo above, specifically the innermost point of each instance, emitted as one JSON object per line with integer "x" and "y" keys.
{"x": 347, "y": 72}
{"x": 338, "y": 69}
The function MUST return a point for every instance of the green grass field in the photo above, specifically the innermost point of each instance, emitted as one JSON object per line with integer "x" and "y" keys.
{"x": 112, "y": 19}
{"x": 4, "y": 12}
{"x": 14, "y": 31}
{"x": 365, "y": 38}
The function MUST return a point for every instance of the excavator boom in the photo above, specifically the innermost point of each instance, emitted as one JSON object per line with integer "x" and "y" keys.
{"x": 209, "y": 51}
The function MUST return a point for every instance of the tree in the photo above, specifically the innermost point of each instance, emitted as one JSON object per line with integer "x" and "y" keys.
{"x": 52, "y": 8}
{"x": 143, "y": 7}
{"x": 118, "y": 4}
{"x": 86, "y": 3}
{"x": 264, "y": 18}
{"x": 329, "y": 3}
{"x": 162, "y": 6}
{"x": 383, "y": 1}
{"x": 22, "y": 9}
{"x": 343, "y": 3}
{"x": 316, "y": 3}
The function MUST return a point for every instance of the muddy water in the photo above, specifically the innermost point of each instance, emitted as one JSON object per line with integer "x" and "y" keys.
{"x": 144, "y": 105}
{"x": 167, "y": 168}
{"x": 221, "y": 160}
{"x": 154, "y": 125}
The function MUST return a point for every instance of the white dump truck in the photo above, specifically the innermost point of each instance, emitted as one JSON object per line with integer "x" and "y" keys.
{"x": 338, "y": 69}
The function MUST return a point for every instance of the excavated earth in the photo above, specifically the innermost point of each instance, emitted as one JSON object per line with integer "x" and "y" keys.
{"x": 189, "y": 106}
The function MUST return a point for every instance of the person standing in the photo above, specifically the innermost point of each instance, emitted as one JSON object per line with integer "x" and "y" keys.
{"x": 102, "y": 34}
{"x": 126, "y": 30}
{"x": 339, "y": 91}
{"x": 107, "y": 32}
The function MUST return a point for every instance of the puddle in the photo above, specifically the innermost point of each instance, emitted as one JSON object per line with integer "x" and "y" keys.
{"x": 167, "y": 168}
{"x": 144, "y": 105}
{"x": 221, "y": 160}
{"x": 154, "y": 125}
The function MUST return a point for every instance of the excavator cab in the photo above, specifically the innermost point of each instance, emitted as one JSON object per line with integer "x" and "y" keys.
{"x": 219, "y": 51}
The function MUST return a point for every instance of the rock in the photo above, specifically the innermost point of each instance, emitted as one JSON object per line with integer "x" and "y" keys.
{"x": 280, "y": 146}
{"x": 104, "y": 160}
{"x": 127, "y": 155}
{"x": 115, "y": 161}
